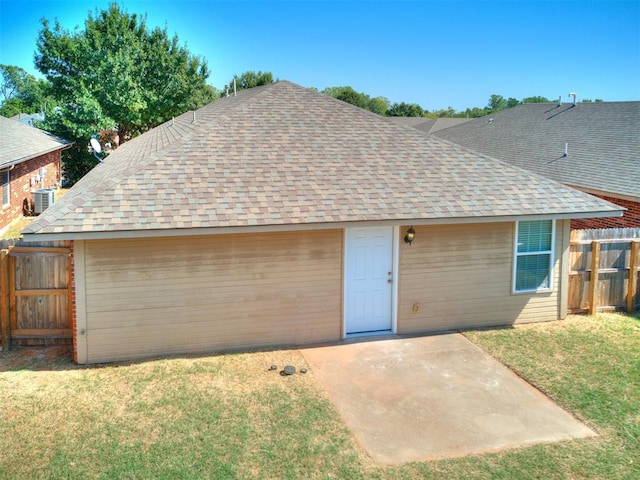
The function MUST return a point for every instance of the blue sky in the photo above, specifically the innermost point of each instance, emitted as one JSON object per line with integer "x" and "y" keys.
{"x": 434, "y": 53}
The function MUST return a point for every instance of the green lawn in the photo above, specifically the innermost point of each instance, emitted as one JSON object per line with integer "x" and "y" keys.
{"x": 228, "y": 416}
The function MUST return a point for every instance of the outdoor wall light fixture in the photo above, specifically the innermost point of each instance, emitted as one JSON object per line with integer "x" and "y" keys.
{"x": 411, "y": 234}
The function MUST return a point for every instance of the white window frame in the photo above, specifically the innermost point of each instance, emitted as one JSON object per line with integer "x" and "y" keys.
{"x": 517, "y": 254}
{"x": 6, "y": 187}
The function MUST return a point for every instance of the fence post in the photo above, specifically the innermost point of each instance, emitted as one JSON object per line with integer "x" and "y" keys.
{"x": 595, "y": 262}
{"x": 633, "y": 277}
{"x": 4, "y": 300}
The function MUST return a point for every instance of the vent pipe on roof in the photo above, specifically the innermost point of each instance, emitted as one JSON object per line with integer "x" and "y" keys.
{"x": 194, "y": 117}
{"x": 560, "y": 100}
{"x": 234, "y": 86}
{"x": 566, "y": 150}
{"x": 572, "y": 94}
{"x": 226, "y": 90}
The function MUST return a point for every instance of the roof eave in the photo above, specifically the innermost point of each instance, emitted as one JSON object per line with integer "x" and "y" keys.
{"x": 184, "y": 232}
{"x": 605, "y": 193}
{"x": 10, "y": 164}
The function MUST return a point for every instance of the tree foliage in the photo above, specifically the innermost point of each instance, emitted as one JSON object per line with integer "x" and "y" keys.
{"x": 498, "y": 102}
{"x": 475, "y": 112}
{"x": 378, "y": 105}
{"x": 403, "y": 109}
{"x": 249, "y": 79}
{"x": 535, "y": 99}
{"x": 20, "y": 92}
{"x": 117, "y": 73}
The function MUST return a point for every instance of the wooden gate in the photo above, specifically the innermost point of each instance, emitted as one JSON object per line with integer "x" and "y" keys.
{"x": 605, "y": 265}
{"x": 36, "y": 294}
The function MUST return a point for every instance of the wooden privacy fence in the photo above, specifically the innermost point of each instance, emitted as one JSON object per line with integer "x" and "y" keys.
{"x": 35, "y": 293}
{"x": 604, "y": 268}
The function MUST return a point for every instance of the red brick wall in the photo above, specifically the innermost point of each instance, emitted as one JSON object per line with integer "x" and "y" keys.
{"x": 21, "y": 184}
{"x": 630, "y": 219}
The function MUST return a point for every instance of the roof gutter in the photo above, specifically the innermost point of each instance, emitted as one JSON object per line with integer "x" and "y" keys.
{"x": 185, "y": 232}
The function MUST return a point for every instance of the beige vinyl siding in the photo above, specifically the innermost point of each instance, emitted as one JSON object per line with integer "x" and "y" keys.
{"x": 149, "y": 297}
{"x": 460, "y": 276}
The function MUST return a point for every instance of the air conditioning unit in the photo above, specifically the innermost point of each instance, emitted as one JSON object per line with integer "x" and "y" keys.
{"x": 42, "y": 199}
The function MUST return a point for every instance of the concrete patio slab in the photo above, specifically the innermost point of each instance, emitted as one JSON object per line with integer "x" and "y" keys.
{"x": 434, "y": 397}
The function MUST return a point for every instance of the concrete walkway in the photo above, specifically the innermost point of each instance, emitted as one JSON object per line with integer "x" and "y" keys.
{"x": 424, "y": 398}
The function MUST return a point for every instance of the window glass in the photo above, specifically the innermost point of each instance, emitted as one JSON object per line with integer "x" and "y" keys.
{"x": 533, "y": 256}
{"x": 535, "y": 236}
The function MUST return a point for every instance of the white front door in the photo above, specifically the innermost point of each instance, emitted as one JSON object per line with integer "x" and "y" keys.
{"x": 368, "y": 279}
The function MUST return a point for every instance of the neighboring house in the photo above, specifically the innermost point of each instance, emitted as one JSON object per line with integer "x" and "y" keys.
{"x": 594, "y": 147}
{"x": 29, "y": 159}
{"x": 281, "y": 216}
{"x": 28, "y": 118}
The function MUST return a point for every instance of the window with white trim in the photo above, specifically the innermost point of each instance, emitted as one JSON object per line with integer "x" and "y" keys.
{"x": 533, "y": 265}
{"x": 4, "y": 184}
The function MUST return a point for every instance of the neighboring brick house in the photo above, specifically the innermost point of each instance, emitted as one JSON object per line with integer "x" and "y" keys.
{"x": 594, "y": 147}
{"x": 29, "y": 160}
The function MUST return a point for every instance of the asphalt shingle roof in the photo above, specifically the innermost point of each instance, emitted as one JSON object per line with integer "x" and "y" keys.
{"x": 282, "y": 154}
{"x": 602, "y": 138}
{"x": 428, "y": 125}
{"x": 19, "y": 142}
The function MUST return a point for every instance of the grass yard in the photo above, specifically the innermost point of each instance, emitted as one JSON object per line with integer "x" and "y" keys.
{"x": 228, "y": 416}
{"x": 14, "y": 229}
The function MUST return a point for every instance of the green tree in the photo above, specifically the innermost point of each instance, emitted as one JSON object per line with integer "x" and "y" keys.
{"x": 496, "y": 103}
{"x": 512, "y": 102}
{"x": 133, "y": 77}
{"x": 403, "y": 109}
{"x": 448, "y": 112}
{"x": 536, "y": 99}
{"x": 20, "y": 92}
{"x": 347, "y": 94}
{"x": 79, "y": 121}
{"x": 249, "y": 79}
{"x": 475, "y": 112}
{"x": 379, "y": 105}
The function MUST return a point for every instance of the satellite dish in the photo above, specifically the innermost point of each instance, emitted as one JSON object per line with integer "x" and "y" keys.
{"x": 96, "y": 147}
{"x": 95, "y": 144}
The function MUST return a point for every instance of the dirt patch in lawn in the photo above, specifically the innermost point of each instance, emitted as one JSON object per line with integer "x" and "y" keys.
{"x": 53, "y": 357}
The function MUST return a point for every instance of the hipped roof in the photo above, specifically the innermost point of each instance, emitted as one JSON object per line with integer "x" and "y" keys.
{"x": 602, "y": 141}
{"x": 285, "y": 156}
